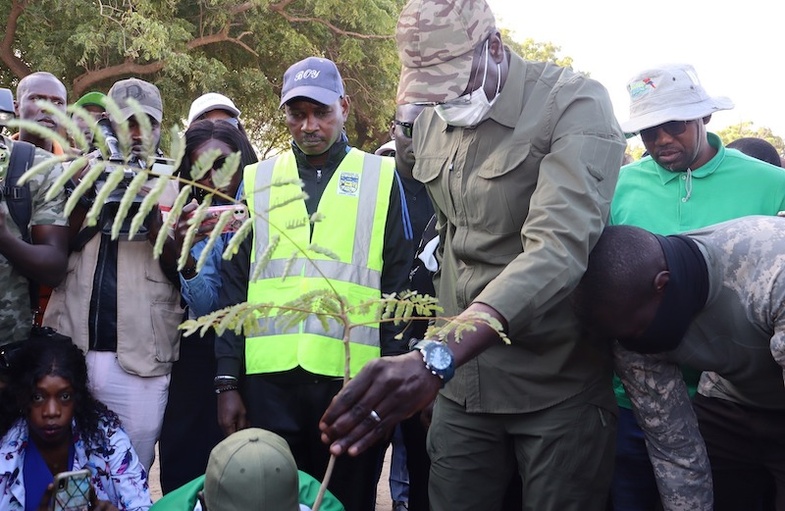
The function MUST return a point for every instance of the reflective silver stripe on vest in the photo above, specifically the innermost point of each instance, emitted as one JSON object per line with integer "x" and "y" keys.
{"x": 372, "y": 169}
{"x": 329, "y": 268}
{"x": 358, "y": 272}
{"x": 366, "y": 335}
{"x": 261, "y": 201}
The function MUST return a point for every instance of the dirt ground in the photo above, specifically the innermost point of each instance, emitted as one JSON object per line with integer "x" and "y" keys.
{"x": 383, "y": 499}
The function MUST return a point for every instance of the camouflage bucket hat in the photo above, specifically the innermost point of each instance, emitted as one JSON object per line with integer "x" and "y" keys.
{"x": 436, "y": 41}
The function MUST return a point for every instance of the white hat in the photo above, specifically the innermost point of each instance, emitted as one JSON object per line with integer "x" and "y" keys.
{"x": 211, "y": 101}
{"x": 386, "y": 149}
{"x": 669, "y": 93}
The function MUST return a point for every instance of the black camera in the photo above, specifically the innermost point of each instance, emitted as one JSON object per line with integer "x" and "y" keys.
{"x": 131, "y": 167}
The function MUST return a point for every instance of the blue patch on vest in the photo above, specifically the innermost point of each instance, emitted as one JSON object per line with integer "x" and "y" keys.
{"x": 349, "y": 183}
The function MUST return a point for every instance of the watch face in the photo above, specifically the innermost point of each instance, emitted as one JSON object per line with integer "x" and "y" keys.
{"x": 439, "y": 358}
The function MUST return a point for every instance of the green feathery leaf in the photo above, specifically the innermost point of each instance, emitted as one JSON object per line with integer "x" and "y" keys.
{"x": 136, "y": 184}
{"x": 41, "y": 167}
{"x": 114, "y": 178}
{"x": 177, "y": 147}
{"x": 264, "y": 258}
{"x": 194, "y": 222}
{"x": 323, "y": 251}
{"x": 38, "y": 130}
{"x": 215, "y": 234}
{"x": 67, "y": 125}
{"x": 243, "y": 232}
{"x": 289, "y": 264}
{"x": 76, "y": 134}
{"x": 69, "y": 171}
{"x": 204, "y": 164}
{"x": 294, "y": 224}
{"x": 283, "y": 202}
{"x": 85, "y": 185}
{"x": 148, "y": 203}
{"x": 170, "y": 220}
{"x": 223, "y": 176}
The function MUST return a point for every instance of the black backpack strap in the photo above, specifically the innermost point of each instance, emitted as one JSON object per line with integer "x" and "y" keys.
{"x": 83, "y": 237}
{"x": 18, "y": 200}
{"x": 20, "y": 204}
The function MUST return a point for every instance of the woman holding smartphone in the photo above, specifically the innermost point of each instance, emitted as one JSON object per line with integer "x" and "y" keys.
{"x": 190, "y": 428}
{"x": 50, "y": 423}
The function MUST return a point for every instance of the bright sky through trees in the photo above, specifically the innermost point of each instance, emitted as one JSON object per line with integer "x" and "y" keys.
{"x": 734, "y": 47}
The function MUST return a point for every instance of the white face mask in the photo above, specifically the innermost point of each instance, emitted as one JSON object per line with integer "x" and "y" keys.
{"x": 472, "y": 108}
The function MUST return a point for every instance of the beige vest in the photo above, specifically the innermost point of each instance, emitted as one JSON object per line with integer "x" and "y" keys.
{"x": 148, "y": 307}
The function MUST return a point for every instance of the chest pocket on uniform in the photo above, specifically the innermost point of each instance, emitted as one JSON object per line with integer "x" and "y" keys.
{"x": 428, "y": 166}
{"x": 432, "y": 169}
{"x": 501, "y": 189}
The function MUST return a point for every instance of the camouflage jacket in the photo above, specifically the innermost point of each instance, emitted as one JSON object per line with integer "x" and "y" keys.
{"x": 738, "y": 339}
{"x": 15, "y": 311}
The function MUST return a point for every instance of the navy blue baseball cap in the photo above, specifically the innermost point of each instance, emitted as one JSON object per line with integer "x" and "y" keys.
{"x": 312, "y": 78}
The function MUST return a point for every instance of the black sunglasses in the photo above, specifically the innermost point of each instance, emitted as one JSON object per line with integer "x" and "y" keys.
{"x": 218, "y": 163}
{"x": 406, "y": 127}
{"x": 200, "y": 193}
{"x": 672, "y": 128}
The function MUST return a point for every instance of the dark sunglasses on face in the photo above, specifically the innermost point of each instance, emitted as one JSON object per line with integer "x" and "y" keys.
{"x": 406, "y": 128}
{"x": 200, "y": 193}
{"x": 672, "y": 128}
{"x": 219, "y": 162}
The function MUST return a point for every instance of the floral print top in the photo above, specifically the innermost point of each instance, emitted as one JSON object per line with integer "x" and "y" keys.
{"x": 117, "y": 475}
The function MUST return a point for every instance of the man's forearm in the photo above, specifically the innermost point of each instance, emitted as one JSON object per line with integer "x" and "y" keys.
{"x": 474, "y": 342}
{"x": 664, "y": 412}
{"x": 42, "y": 263}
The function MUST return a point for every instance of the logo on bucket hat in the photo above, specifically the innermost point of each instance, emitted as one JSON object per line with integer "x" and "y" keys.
{"x": 313, "y": 78}
{"x": 436, "y": 41}
{"x": 145, "y": 93}
{"x": 669, "y": 93}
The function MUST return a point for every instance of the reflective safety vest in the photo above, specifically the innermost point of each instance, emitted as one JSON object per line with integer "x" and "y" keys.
{"x": 354, "y": 208}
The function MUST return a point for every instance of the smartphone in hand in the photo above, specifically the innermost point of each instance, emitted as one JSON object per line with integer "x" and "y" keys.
{"x": 239, "y": 215}
{"x": 72, "y": 491}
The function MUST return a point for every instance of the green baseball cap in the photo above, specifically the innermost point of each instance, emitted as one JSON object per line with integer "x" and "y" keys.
{"x": 91, "y": 98}
{"x": 251, "y": 469}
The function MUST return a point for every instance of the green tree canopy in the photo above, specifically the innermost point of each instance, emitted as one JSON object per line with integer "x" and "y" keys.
{"x": 747, "y": 129}
{"x": 533, "y": 50}
{"x": 188, "y": 47}
{"x": 238, "y": 48}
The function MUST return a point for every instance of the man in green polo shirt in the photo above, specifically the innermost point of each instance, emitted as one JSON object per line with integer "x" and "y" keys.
{"x": 688, "y": 180}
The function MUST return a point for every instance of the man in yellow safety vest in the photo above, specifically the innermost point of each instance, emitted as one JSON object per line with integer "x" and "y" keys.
{"x": 291, "y": 375}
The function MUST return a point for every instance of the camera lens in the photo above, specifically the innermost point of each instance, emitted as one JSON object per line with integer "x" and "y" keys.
{"x": 61, "y": 484}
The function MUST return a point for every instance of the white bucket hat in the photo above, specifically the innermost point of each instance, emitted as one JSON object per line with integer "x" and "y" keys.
{"x": 669, "y": 93}
{"x": 386, "y": 149}
{"x": 211, "y": 101}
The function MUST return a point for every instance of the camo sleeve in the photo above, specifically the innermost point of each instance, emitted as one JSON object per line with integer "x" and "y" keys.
{"x": 47, "y": 212}
{"x": 777, "y": 318}
{"x": 661, "y": 405}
